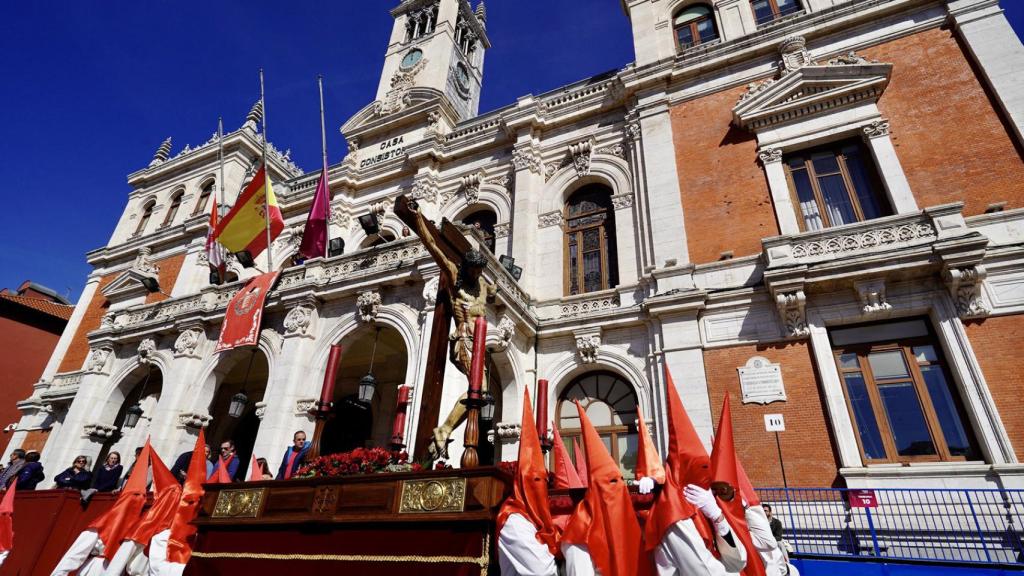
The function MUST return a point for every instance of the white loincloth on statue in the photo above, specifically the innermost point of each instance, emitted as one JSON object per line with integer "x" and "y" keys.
{"x": 682, "y": 553}
{"x": 519, "y": 551}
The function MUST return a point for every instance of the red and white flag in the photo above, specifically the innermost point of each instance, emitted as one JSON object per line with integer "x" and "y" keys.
{"x": 215, "y": 252}
{"x": 242, "y": 318}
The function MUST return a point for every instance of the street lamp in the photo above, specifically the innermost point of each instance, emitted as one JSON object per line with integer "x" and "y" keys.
{"x": 135, "y": 411}
{"x": 368, "y": 384}
{"x": 240, "y": 400}
{"x": 487, "y": 410}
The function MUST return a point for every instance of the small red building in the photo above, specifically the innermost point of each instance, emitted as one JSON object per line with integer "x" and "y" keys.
{"x": 32, "y": 319}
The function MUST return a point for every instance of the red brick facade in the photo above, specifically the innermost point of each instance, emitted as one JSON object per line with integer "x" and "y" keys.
{"x": 806, "y": 443}
{"x": 726, "y": 202}
{"x": 79, "y": 348}
{"x": 996, "y": 342}
{"x": 934, "y": 99}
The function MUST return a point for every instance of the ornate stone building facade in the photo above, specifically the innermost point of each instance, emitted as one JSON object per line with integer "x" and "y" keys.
{"x": 812, "y": 205}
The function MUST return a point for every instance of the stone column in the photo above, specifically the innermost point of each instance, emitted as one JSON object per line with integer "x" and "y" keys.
{"x": 662, "y": 179}
{"x": 529, "y": 182}
{"x": 889, "y": 168}
{"x": 835, "y": 397}
{"x": 778, "y": 184}
{"x": 997, "y": 52}
{"x": 681, "y": 351}
{"x": 72, "y": 327}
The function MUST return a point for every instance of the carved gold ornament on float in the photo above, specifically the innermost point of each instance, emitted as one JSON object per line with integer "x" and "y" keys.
{"x": 433, "y": 496}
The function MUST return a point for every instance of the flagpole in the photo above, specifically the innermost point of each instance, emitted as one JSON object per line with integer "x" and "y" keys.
{"x": 323, "y": 147}
{"x": 266, "y": 177}
{"x": 220, "y": 157}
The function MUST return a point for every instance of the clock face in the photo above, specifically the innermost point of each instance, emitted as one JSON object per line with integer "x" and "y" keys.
{"x": 462, "y": 75}
{"x": 412, "y": 58}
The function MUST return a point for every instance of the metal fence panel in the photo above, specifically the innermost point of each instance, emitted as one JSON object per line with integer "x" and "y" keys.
{"x": 941, "y": 525}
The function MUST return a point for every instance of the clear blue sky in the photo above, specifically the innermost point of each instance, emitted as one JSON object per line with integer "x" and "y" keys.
{"x": 90, "y": 89}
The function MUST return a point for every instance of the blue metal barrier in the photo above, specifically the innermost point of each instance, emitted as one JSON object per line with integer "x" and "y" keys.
{"x": 933, "y": 525}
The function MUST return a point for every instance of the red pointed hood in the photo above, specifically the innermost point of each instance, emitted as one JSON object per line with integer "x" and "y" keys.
{"x": 530, "y": 486}
{"x": 581, "y": 463}
{"x": 179, "y": 546}
{"x": 648, "y": 461}
{"x": 220, "y": 475}
{"x": 7, "y": 518}
{"x": 746, "y": 488}
{"x": 566, "y": 476}
{"x": 725, "y": 470}
{"x": 118, "y": 523}
{"x": 255, "y": 473}
{"x": 159, "y": 516}
{"x": 687, "y": 462}
{"x": 613, "y": 537}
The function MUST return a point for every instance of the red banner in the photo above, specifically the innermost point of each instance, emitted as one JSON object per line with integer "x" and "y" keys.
{"x": 242, "y": 318}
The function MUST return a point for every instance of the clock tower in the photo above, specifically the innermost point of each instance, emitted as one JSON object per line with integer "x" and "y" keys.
{"x": 437, "y": 44}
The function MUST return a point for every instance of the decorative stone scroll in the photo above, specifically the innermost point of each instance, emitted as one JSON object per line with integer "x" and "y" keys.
{"x": 368, "y": 306}
{"x": 791, "y": 306}
{"x": 298, "y": 321}
{"x": 507, "y": 432}
{"x": 965, "y": 287}
{"x": 99, "y": 432}
{"x": 187, "y": 343}
{"x": 588, "y": 344}
{"x": 147, "y": 348}
{"x": 580, "y": 154}
{"x": 433, "y": 496}
{"x": 526, "y": 158}
{"x": 872, "y": 297}
{"x": 761, "y": 381}
{"x": 194, "y": 420}
{"x": 549, "y": 219}
{"x": 506, "y": 330}
{"x": 98, "y": 359}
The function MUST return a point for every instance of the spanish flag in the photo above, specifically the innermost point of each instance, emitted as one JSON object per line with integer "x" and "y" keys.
{"x": 245, "y": 226}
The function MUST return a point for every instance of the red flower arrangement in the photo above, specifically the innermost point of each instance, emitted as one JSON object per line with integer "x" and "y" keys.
{"x": 358, "y": 461}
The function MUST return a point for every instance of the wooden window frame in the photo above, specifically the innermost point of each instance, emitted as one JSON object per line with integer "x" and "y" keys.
{"x": 200, "y": 202}
{"x": 844, "y": 171}
{"x": 173, "y": 208}
{"x": 694, "y": 32}
{"x": 144, "y": 218}
{"x": 613, "y": 431}
{"x": 934, "y": 427}
{"x": 776, "y": 12}
{"x": 604, "y": 249}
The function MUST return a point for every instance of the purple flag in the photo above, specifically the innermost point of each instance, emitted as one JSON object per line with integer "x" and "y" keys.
{"x": 314, "y": 237}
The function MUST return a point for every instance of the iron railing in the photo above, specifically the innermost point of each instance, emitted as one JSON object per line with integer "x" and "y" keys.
{"x": 934, "y": 525}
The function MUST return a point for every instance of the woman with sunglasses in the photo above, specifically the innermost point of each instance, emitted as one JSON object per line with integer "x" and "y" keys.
{"x": 76, "y": 477}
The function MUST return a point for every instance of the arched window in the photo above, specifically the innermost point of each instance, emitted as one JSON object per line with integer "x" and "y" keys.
{"x": 769, "y": 10}
{"x": 172, "y": 210}
{"x": 484, "y": 221}
{"x": 377, "y": 239}
{"x": 204, "y": 197}
{"x": 694, "y": 25}
{"x": 590, "y": 241}
{"x": 147, "y": 213}
{"x": 610, "y": 404}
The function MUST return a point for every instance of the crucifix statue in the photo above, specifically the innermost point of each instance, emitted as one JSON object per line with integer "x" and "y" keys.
{"x": 463, "y": 295}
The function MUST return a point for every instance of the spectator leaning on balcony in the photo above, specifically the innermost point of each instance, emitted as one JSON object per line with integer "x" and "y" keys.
{"x": 230, "y": 459}
{"x": 180, "y": 468}
{"x": 14, "y": 466}
{"x": 32, "y": 473}
{"x": 293, "y": 456}
{"x": 77, "y": 477}
{"x": 109, "y": 474}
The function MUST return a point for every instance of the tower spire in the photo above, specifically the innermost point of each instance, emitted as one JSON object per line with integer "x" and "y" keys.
{"x": 162, "y": 153}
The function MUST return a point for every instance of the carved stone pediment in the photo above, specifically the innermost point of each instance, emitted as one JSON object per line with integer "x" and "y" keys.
{"x": 129, "y": 283}
{"x": 809, "y": 91}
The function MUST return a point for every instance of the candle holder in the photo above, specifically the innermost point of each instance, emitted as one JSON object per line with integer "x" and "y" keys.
{"x": 324, "y": 408}
{"x": 474, "y": 400}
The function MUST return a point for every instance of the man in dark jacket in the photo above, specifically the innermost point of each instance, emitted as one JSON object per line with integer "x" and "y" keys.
{"x": 13, "y": 468}
{"x": 294, "y": 456}
{"x": 180, "y": 468}
{"x": 32, "y": 473}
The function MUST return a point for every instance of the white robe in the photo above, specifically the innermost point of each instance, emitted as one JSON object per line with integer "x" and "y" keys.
{"x": 84, "y": 555}
{"x": 519, "y": 551}
{"x": 578, "y": 561}
{"x": 771, "y": 553}
{"x": 682, "y": 553}
{"x": 158, "y": 564}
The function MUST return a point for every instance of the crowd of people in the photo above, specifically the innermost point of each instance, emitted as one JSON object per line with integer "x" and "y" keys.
{"x": 25, "y": 470}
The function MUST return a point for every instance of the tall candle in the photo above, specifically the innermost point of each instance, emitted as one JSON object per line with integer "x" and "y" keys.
{"x": 476, "y": 367}
{"x": 327, "y": 391}
{"x": 542, "y": 410}
{"x": 401, "y": 411}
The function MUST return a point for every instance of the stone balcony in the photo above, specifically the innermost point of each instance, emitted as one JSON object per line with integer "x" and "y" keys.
{"x": 323, "y": 278}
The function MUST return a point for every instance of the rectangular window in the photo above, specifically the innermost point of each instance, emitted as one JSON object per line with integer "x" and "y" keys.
{"x": 769, "y": 10}
{"x": 901, "y": 400}
{"x": 835, "y": 185}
